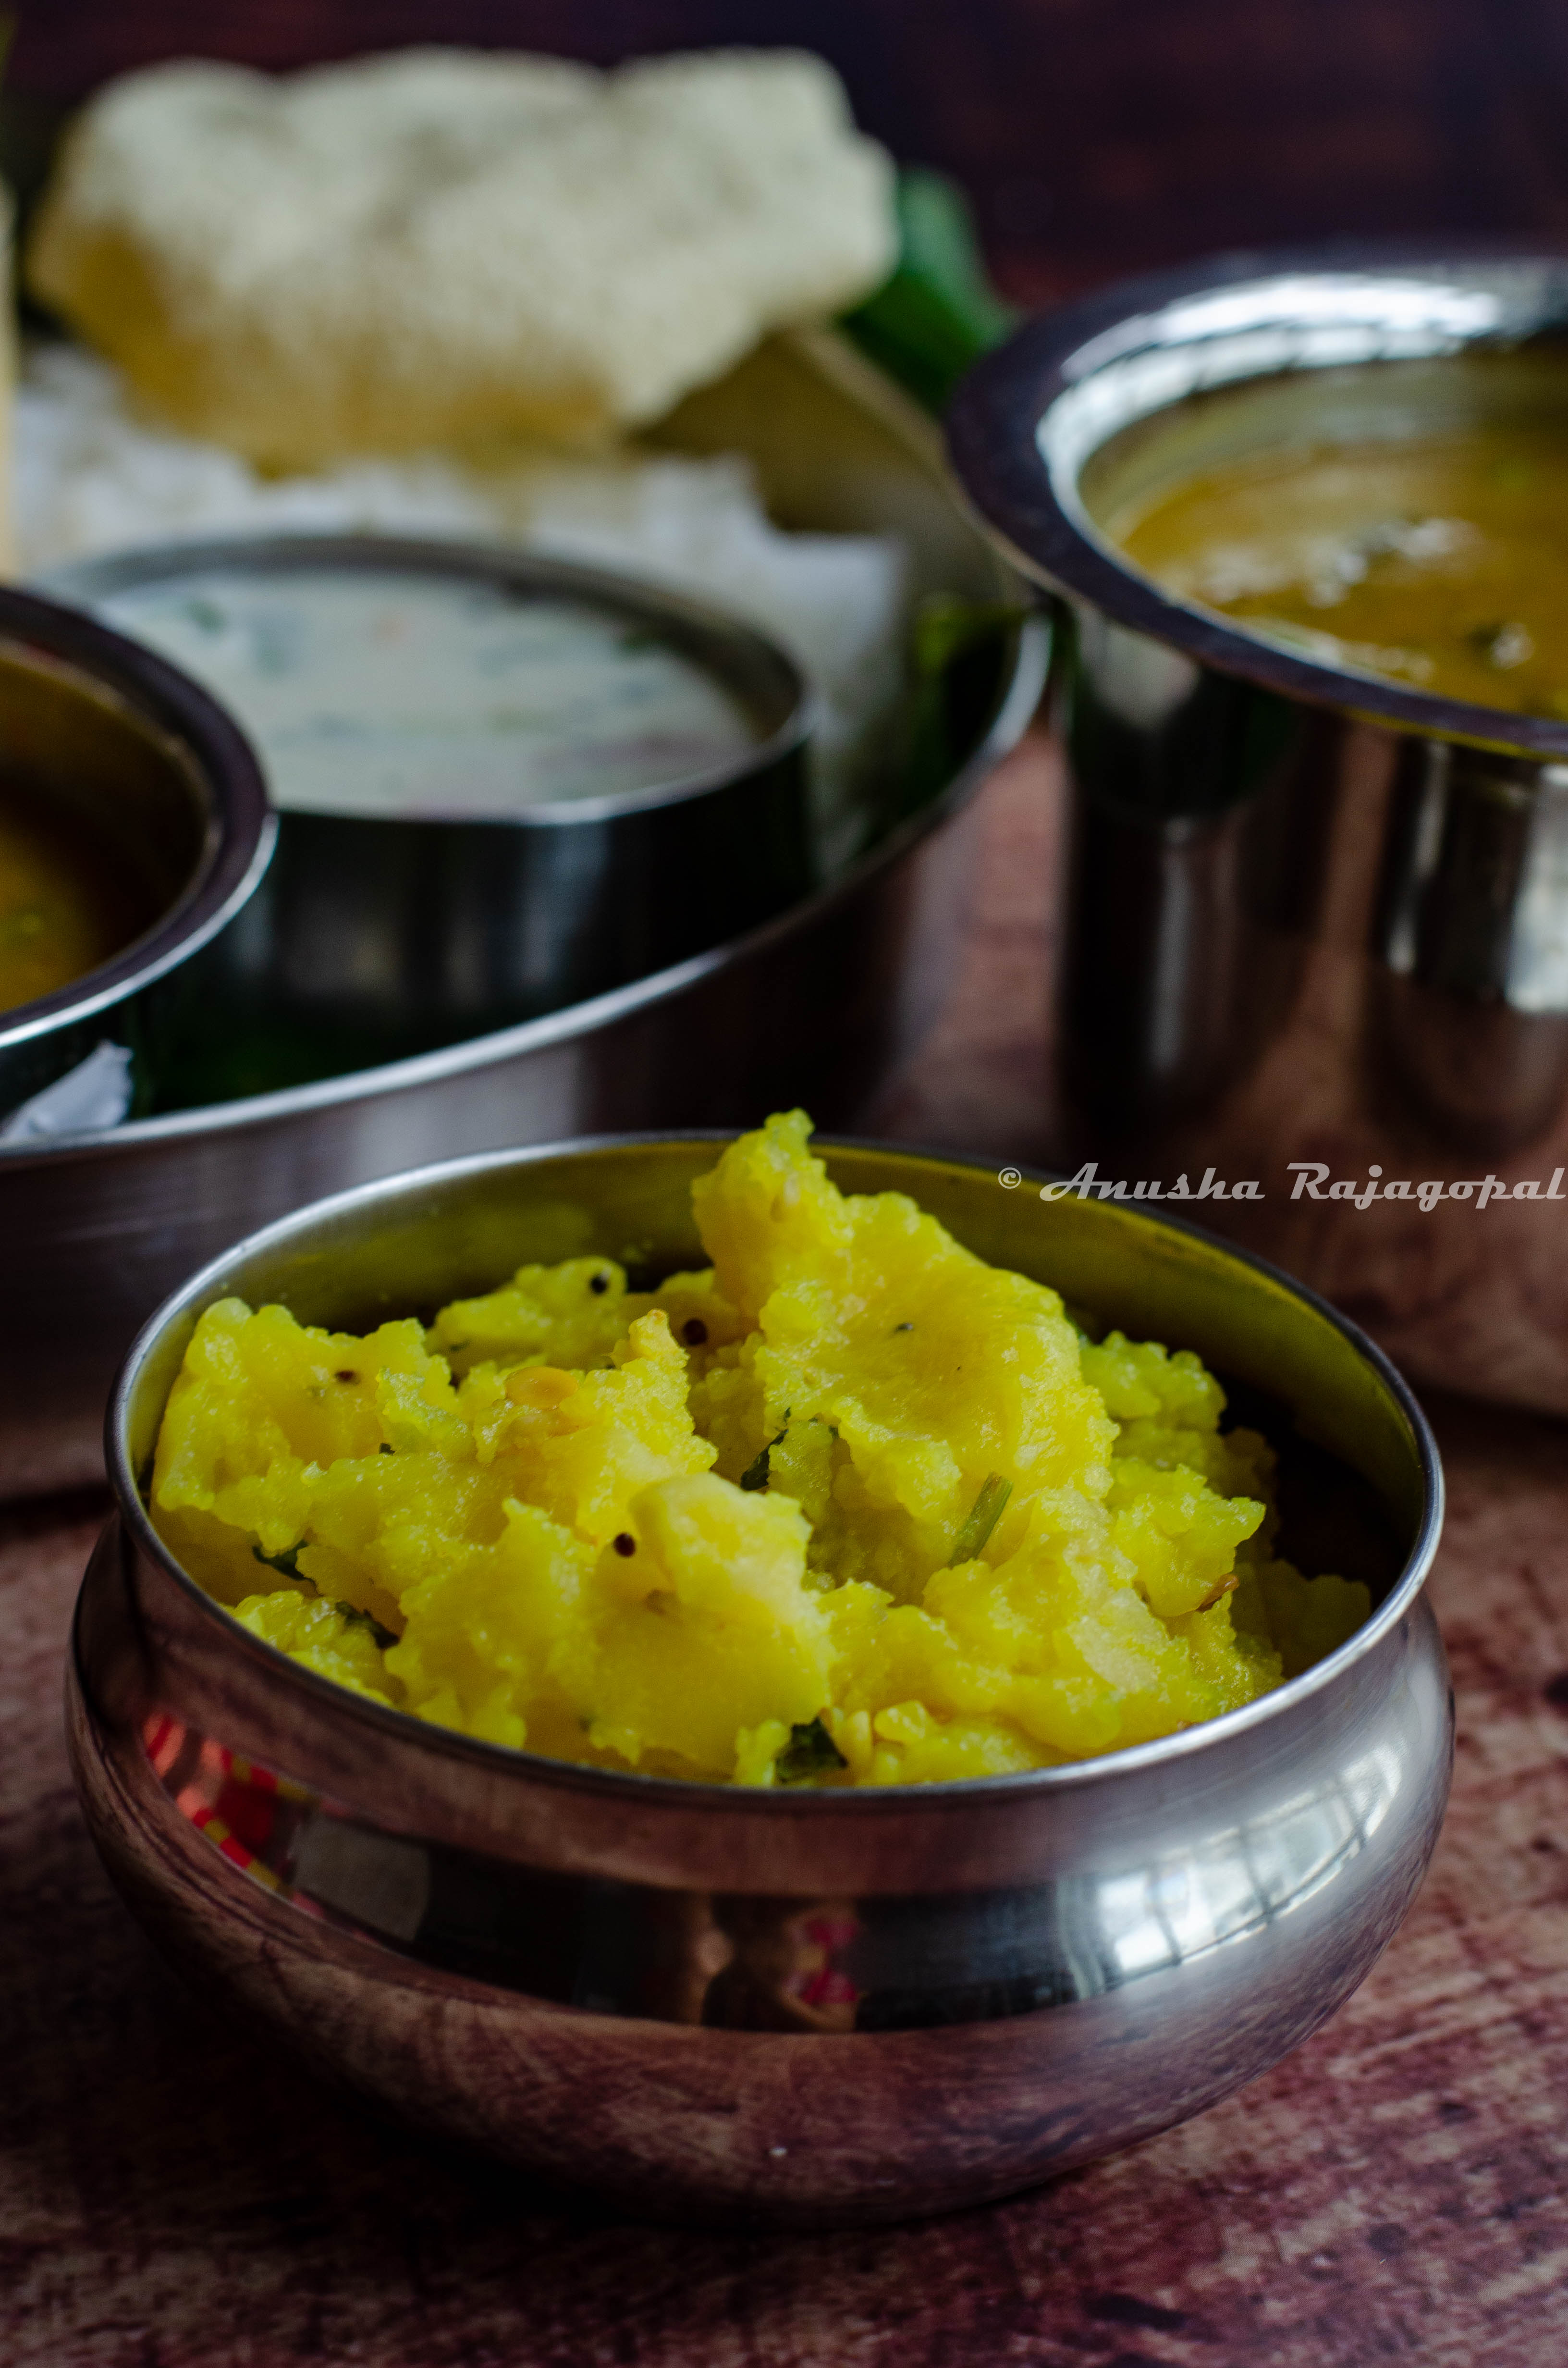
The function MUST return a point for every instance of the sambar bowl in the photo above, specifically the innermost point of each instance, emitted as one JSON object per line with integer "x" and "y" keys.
{"x": 1314, "y": 918}
{"x": 764, "y": 2006}
{"x": 124, "y": 752}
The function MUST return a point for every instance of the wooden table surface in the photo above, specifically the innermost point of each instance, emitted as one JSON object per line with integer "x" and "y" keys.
{"x": 172, "y": 2196}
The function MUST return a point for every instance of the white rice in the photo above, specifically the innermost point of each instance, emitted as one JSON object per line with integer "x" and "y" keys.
{"x": 90, "y": 477}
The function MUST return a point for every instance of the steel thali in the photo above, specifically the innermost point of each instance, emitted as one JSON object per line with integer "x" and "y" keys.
{"x": 819, "y": 1005}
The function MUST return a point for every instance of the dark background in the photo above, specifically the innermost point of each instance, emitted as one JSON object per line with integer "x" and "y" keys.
{"x": 1096, "y": 136}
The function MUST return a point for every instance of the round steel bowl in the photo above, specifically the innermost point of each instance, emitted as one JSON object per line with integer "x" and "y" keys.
{"x": 621, "y": 1980}
{"x": 144, "y": 764}
{"x": 377, "y": 937}
{"x": 1309, "y": 915}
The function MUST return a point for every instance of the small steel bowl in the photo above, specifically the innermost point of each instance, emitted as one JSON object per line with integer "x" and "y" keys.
{"x": 1309, "y": 915}
{"x": 612, "y": 1977}
{"x": 378, "y": 936}
{"x": 133, "y": 754}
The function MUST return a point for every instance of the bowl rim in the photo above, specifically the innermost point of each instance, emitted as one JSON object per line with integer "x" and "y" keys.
{"x": 679, "y": 616}
{"x": 994, "y": 425}
{"x": 202, "y": 738}
{"x": 204, "y": 1286}
{"x": 1018, "y": 701}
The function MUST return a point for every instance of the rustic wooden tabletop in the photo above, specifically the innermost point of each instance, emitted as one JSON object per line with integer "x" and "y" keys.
{"x": 171, "y": 2195}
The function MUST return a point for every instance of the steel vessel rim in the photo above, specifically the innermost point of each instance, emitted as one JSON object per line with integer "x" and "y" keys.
{"x": 240, "y": 826}
{"x": 1014, "y": 710}
{"x": 991, "y": 435}
{"x": 1165, "y": 1750}
{"x": 470, "y": 559}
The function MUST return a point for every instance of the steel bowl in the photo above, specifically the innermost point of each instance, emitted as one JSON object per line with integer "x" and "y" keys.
{"x": 618, "y": 1979}
{"x": 140, "y": 761}
{"x": 1315, "y": 923}
{"x": 376, "y": 937}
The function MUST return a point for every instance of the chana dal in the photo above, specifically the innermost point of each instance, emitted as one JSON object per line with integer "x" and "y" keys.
{"x": 849, "y": 1506}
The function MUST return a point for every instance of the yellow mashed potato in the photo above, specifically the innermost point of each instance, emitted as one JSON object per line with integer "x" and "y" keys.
{"x": 849, "y": 1506}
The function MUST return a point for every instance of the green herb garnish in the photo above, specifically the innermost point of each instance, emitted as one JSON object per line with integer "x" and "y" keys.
{"x": 354, "y": 1618}
{"x": 809, "y": 1752}
{"x": 288, "y": 1562}
{"x": 755, "y": 1474}
{"x": 984, "y": 1514}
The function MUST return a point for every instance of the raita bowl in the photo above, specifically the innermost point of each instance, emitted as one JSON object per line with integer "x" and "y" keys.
{"x": 382, "y": 932}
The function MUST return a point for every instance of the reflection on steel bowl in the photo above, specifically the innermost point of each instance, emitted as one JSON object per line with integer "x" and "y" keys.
{"x": 611, "y": 1977}
{"x": 138, "y": 829}
{"x": 1315, "y": 912}
{"x": 506, "y": 783}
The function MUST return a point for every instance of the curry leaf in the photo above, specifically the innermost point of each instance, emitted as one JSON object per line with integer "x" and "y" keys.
{"x": 811, "y": 1751}
{"x": 288, "y": 1562}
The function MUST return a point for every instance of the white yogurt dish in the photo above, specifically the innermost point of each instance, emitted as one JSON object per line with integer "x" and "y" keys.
{"x": 507, "y": 783}
{"x": 410, "y": 695}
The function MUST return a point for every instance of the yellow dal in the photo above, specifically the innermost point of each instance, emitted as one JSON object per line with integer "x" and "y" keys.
{"x": 1440, "y": 561}
{"x": 62, "y": 911}
{"x": 548, "y": 1521}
